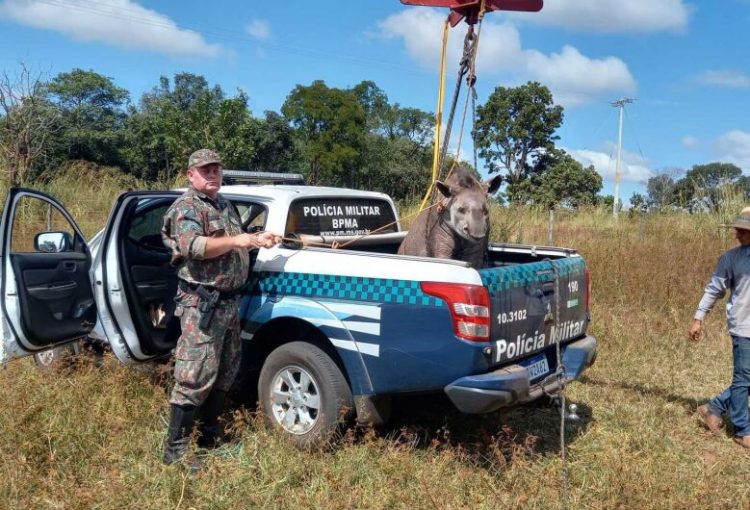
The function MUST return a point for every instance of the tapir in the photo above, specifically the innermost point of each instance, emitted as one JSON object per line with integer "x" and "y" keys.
{"x": 458, "y": 227}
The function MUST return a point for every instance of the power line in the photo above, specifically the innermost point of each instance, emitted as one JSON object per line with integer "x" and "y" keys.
{"x": 635, "y": 135}
{"x": 595, "y": 133}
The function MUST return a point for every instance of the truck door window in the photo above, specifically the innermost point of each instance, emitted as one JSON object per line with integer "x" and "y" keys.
{"x": 33, "y": 217}
{"x": 340, "y": 216}
{"x": 253, "y": 215}
{"x": 145, "y": 228}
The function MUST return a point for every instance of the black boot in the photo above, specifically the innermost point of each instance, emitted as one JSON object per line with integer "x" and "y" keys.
{"x": 178, "y": 436}
{"x": 212, "y": 435}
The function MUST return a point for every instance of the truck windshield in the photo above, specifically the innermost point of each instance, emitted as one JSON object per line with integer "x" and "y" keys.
{"x": 340, "y": 216}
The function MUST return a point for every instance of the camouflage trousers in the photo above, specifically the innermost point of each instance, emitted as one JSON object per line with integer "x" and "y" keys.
{"x": 206, "y": 359}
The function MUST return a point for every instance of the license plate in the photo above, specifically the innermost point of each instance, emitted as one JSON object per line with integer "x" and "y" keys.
{"x": 537, "y": 366}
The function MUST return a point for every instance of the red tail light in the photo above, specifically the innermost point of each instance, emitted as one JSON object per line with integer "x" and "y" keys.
{"x": 469, "y": 306}
{"x": 588, "y": 289}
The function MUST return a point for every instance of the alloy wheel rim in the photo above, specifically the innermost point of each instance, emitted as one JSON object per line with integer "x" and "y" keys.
{"x": 295, "y": 399}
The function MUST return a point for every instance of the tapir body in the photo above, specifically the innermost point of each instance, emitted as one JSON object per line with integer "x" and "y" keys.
{"x": 459, "y": 227}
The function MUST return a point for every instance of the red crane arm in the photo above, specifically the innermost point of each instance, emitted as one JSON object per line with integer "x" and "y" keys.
{"x": 469, "y": 9}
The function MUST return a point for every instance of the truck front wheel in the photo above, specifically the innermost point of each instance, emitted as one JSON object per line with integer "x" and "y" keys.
{"x": 303, "y": 392}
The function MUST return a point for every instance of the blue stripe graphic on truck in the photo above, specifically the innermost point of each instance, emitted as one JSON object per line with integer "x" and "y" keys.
{"x": 502, "y": 278}
{"x": 349, "y": 288}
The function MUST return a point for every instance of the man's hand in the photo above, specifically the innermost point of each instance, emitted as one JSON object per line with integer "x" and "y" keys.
{"x": 267, "y": 239}
{"x": 695, "y": 329}
{"x": 246, "y": 241}
{"x": 260, "y": 240}
{"x": 218, "y": 246}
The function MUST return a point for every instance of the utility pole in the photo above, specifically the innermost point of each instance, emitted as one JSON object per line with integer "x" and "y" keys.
{"x": 620, "y": 103}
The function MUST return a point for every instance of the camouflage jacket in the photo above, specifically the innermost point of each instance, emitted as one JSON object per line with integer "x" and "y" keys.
{"x": 191, "y": 219}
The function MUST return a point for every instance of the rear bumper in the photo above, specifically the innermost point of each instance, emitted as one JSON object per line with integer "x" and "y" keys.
{"x": 510, "y": 385}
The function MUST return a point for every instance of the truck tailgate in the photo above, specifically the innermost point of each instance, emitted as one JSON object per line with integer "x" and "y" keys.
{"x": 524, "y": 302}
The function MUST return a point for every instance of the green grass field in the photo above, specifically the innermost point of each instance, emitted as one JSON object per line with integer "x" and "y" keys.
{"x": 90, "y": 436}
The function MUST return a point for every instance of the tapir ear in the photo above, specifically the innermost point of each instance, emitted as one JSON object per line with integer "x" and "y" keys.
{"x": 445, "y": 190}
{"x": 493, "y": 184}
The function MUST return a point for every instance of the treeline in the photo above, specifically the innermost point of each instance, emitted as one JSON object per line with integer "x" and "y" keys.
{"x": 703, "y": 188}
{"x": 354, "y": 137}
{"x": 343, "y": 137}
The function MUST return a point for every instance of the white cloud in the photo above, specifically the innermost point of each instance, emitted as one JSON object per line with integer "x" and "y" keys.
{"x": 725, "y": 78}
{"x": 577, "y": 79}
{"x": 734, "y": 147}
{"x": 612, "y": 15}
{"x": 259, "y": 29}
{"x": 420, "y": 29}
{"x": 633, "y": 167}
{"x": 574, "y": 78}
{"x": 690, "y": 142}
{"x": 122, "y": 23}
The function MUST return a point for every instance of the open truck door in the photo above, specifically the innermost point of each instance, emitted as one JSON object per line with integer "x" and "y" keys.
{"x": 135, "y": 282}
{"x": 56, "y": 287}
{"x": 45, "y": 280}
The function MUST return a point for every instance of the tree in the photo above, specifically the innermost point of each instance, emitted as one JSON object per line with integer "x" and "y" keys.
{"x": 638, "y": 202}
{"x": 606, "y": 201}
{"x": 92, "y": 116}
{"x": 397, "y": 153}
{"x": 374, "y": 102}
{"x": 172, "y": 121}
{"x": 27, "y": 123}
{"x": 275, "y": 150}
{"x": 331, "y": 126}
{"x": 413, "y": 124}
{"x": 660, "y": 191}
{"x": 514, "y": 128}
{"x": 704, "y": 187}
{"x": 396, "y": 167}
{"x": 558, "y": 179}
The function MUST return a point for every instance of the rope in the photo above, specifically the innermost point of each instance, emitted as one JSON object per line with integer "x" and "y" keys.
{"x": 473, "y": 90}
{"x": 343, "y": 245}
{"x": 471, "y": 48}
{"x": 474, "y": 124}
{"x": 466, "y": 65}
{"x": 471, "y": 81}
{"x": 336, "y": 245}
{"x": 561, "y": 392}
{"x": 463, "y": 68}
{"x": 438, "y": 117}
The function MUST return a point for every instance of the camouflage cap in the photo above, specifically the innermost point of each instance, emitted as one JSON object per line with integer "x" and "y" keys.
{"x": 742, "y": 221}
{"x": 203, "y": 157}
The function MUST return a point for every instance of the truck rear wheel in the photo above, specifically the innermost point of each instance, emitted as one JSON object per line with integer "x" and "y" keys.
{"x": 303, "y": 393}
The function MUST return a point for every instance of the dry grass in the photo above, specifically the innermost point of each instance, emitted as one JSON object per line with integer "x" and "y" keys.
{"x": 90, "y": 437}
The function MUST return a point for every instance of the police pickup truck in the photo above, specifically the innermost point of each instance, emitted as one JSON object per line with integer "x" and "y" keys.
{"x": 331, "y": 331}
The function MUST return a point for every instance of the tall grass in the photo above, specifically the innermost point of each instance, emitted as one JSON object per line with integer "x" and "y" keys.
{"x": 90, "y": 437}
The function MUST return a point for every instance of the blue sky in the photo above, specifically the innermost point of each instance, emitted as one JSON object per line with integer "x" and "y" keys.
{"x": 684, "y": 61}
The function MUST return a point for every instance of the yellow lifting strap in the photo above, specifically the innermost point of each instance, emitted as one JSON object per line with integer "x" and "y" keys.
{"x": 438, "y": 118}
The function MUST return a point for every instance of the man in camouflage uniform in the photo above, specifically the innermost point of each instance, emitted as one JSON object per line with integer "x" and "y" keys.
{"x": 203, "y": 231}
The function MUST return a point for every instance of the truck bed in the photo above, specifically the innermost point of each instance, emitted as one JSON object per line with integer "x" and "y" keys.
{"x": 497, "y": 254}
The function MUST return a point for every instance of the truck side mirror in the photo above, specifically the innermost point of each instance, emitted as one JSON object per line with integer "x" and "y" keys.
{"x": 52, "y": 242}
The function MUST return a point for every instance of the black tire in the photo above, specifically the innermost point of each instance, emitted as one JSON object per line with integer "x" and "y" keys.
{"x": 304, "y": 394}
{"x": 57, "y": 356}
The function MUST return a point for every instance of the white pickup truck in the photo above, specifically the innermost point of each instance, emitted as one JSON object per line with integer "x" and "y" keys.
{"x": 324, "y": 328}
